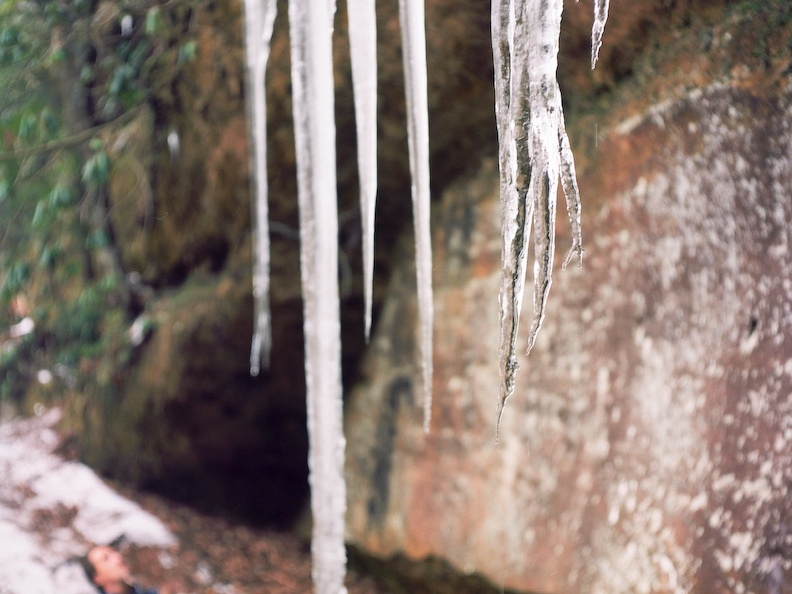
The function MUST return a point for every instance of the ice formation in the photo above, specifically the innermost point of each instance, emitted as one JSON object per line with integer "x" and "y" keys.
{"x": 311, "y": 30}
{"x": 534, "y": 152}
{"x": 363, "y": 54}
{"x": 600, "y": 16}
{"x": 411, "y": 13}
{"x": 259, "y": 22}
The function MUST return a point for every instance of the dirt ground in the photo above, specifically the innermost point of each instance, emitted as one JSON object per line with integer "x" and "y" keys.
{"x": 215, "y": 556}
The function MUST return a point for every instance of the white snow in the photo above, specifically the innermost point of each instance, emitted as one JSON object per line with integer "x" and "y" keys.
{"x": 35, "y": 482}
{"x": 411, "y": 14}
{"x": 22, "y": 328}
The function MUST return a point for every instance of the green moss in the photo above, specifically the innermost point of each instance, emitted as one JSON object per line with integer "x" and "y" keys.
{"x": 427, "y": 576}
{"x": 763, "y": 21}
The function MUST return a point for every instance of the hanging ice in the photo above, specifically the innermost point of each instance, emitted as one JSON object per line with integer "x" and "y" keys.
{"x": 515, "y": 221}
{"x": 411, "y": 13}
{"x": 363, "y": 52}
{"x": 311, "y": 28}
{"x": 600, "y": 16}
{"x": 534, "y": 152}
{"x": 259, "y": 22}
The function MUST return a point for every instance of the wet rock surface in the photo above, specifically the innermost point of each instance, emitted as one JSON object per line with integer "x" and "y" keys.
{"x": 646, "y": 448}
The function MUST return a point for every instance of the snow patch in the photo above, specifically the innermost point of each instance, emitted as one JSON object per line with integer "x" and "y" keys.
{"x": 37, "y": 482}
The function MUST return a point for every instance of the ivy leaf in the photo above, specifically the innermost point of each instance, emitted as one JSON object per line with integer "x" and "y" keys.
{"x": 39, "y": 214}
{"x": 188, "y": 52}
{"x": 27, "y": 126}
{"x": 49, "y": 257}
{"x": 5, "y": 190}
{"x": 16, "y": 278}
{"x": 96, "y": 170}
{"x": 49, "y": 121}
{"x": 97, "y": 239}
{"x": 61, "y": 196}
{"x": 153, "y": 21}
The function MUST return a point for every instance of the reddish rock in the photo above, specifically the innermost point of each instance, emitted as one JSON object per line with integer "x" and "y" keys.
{"x": 647, "y": 446}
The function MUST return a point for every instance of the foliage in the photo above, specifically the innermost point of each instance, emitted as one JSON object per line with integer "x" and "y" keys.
{"x": 69, "y": 71}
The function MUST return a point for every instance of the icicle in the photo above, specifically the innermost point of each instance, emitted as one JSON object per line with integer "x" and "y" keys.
{"x": 411, "y": 13}
{"x": 572, "y": 195}
{"x": 600, "y": 17}
{"x": 515, "y": 209}
{"x": 363, "y": 51}
{"x": 534, "y": 153}
{"x": 259, "y": 22}
{"x": 311, "y": 27}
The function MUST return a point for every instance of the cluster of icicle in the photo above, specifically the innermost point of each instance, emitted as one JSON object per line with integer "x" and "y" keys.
{"x": 534, "y": 152}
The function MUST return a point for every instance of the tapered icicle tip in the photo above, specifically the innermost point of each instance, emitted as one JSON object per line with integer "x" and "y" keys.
{"x": 498, "y": 418}
{"x": 509, "y": 373}
{"x": 363, "y": 54}
{"x": 575, "y": 250}
{"x": 262, "y": 347}
{"x": 411, "y": 18}
{"x": 598, "y": 28}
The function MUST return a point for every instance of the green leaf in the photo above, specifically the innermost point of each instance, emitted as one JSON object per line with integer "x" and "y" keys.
{"x": 5, "y": 190}
{"x": 87, "y": 74}
{"x": 16, "y": 278}
{"x": 61, "y": 196}
{"x": 96, "y": 170}
{"x": 57, "y": 56}
{"x": 97, "y": 239}
{"x": 49, "y": 121}
{"x": 9, "y": 36}
{"x": 188, "y": 52}
{"x": 27, "y": 126}
{"x": 153, "y": 21}
{"x": 49, "y": 257}
{"x": 39, "y": 214}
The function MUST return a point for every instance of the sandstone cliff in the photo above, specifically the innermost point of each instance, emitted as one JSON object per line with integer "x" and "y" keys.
{"x": 647, "y": 447}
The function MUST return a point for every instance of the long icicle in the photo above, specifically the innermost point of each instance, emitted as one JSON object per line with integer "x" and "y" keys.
{"x": 311, "y": 28}
{"x": 411, "y": 13}
{"x": 363, "y": 52}
{"x": 259, "y": 23}
{"x": 513, "y": 118}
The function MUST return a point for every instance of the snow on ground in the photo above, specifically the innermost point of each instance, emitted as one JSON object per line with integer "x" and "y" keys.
{"x": 52, "y": 510}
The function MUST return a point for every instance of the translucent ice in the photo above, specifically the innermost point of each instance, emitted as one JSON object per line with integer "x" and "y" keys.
{"x": 363, "y": 52}
{"x": 600, "y": 16}
{"x": 311, "y": 28}
{"x": 411, "y": 13}
{"x": 534, "y": 152}
{"x": 259, "y": 22}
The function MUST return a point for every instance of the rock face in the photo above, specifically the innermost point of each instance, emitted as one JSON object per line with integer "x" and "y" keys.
{"x": 179, "y": 412}
{"x": 183, "y": 415}
{"x": 646, "y": 449}
{"x": 647, "y": 446}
